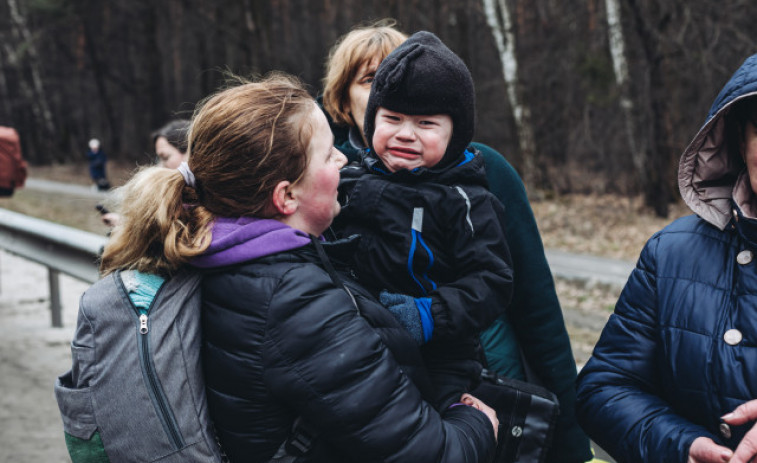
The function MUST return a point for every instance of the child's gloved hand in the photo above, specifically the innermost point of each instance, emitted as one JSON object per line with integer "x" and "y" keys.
{"x": 413, "y": 313}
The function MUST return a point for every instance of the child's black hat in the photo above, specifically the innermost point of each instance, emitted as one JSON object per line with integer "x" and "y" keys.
{"x": 424, "y": 77}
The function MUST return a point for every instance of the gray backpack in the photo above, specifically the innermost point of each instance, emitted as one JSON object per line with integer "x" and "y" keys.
{"x": 135, "y": 391}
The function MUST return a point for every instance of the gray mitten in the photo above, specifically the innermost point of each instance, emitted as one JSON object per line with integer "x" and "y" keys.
{"x": 408, "y": 311}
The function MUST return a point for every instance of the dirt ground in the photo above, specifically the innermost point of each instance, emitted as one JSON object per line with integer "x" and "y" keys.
{"x": 32, "y": 355}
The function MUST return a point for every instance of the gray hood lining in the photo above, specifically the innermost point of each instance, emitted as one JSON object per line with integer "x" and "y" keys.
{"x": 708, "y": 178}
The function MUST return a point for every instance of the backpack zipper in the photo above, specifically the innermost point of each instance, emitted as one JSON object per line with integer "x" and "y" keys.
{"x": 148, "y": 371}
{"x": 152, "y": 379}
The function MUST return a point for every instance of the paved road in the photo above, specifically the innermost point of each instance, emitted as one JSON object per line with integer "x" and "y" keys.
{"x": 32, "y": 355}
{"x": 571, "y": 266}
{"x": 48, "y": 186}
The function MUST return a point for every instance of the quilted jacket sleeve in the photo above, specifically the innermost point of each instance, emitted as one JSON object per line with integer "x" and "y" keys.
{"x": 619, "y": 400}
{"x": 331, "y": 367}
{"x": 470, "y": 303}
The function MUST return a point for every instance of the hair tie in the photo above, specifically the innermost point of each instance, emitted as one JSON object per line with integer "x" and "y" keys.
{"x": 189, "y": 177}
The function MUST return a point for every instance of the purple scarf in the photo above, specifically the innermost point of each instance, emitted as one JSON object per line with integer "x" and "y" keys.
{"x": 243, "y": 239}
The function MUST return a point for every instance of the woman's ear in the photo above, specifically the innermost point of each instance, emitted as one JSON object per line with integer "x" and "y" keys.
{"x": 283, "y": 200}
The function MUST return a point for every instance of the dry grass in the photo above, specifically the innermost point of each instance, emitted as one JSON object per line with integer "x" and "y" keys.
{"x": 63, "y": 209}
{"x": 607, "y": 225}
{"x": 76, "y": 212}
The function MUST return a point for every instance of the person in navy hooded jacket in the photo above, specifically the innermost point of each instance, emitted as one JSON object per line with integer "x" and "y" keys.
{"x": 432, "y": 242}
{"x": 679, "y": 351}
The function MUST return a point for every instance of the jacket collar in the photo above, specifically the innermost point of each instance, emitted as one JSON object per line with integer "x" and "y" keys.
{"x": 467, "y": 168}
{"x": 746, "y": 227}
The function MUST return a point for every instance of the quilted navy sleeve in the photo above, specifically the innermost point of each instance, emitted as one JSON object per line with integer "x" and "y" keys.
{"x": 619, "y": 401}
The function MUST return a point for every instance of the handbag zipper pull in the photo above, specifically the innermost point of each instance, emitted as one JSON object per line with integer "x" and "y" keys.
{"x": 143, "y": 324}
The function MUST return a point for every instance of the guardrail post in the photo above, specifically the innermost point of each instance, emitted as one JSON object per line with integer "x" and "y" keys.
{"x": 53, "y": 277}
{"x": 59, "y": 248}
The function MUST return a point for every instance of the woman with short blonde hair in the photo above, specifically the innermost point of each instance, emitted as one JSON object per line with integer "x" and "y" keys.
{"x": 363, "y": 45}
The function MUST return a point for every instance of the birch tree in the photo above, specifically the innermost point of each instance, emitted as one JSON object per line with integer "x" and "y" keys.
{"x": 499, "y": 20}
{"x": 620, "y": 67}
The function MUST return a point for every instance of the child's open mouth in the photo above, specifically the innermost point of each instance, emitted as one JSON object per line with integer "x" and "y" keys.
{"x": 406, "y": 153}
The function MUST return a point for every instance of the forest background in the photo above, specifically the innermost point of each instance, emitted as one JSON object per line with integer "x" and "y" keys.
{"x": 581, "y": 96}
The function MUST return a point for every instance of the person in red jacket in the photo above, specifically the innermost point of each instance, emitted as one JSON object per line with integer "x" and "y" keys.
{"x": 12, "y": 165}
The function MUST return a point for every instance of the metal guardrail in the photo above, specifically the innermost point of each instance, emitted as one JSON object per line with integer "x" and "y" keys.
{"x": 61, "y": 249}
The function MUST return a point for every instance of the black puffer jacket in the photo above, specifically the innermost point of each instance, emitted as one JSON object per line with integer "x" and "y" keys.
{"x": 282, "y": 340}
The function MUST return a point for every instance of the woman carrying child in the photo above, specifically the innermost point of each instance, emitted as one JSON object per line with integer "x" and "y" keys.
{"x": 299, "y": 361}
{"x": 286, "y": 337}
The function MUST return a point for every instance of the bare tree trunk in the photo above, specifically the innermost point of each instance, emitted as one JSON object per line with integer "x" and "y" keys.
{"x": 657, "y": 160}
{"x": 620, "y": 66}
{"x": 502, "y": 30}
{"x": 24, "y": 36}
{"x": 98, "y": 72}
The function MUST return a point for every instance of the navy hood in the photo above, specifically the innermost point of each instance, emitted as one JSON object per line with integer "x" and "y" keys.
{"x": 709, "y": 178}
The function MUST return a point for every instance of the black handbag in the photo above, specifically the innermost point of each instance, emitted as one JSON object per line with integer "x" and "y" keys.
{"x": 527, "y": 416}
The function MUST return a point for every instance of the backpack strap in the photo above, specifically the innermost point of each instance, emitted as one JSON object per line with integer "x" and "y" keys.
{"x": 299, "y": 442}
{"x": 303, "y": 435}
{"x": 329, "y": 267}
{"x": 302, "y": 438}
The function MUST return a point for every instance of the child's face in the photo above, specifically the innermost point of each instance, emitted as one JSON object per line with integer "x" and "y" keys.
{"x": 404, "y": 141}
